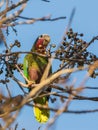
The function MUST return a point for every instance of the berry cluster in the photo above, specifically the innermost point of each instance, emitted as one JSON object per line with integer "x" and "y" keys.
{"x": 73, "y": 51}
{"x": 8, "y": 61}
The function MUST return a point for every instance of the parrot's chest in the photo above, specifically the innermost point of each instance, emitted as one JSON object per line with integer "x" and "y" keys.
{"x": 36, "y": 69}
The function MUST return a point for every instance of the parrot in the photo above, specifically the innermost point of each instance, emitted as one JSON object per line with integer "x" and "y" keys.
{"x": 33, "y": 68}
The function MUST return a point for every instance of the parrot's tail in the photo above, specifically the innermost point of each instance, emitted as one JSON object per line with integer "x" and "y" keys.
{"x": 41, "y": 115}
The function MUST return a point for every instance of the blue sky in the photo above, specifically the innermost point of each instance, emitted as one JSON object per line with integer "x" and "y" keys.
{"x": 85, "y": 21}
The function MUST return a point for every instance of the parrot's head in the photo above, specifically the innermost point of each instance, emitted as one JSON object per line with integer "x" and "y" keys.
{"x": 41, "y": 43}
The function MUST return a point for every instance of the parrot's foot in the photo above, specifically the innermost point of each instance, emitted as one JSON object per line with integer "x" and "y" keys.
{"x": 30, "y": 83}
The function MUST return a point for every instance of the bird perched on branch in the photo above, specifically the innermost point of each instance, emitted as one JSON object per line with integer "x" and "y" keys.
{"x": 34, "y": 66}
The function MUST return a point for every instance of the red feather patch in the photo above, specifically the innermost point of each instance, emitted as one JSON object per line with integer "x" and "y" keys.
{"x": 39, "y": 43}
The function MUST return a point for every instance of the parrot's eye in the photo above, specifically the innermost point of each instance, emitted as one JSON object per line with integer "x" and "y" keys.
{"x": 41, "y": 36}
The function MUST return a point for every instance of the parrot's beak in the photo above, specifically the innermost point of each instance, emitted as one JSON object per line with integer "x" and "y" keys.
{"x": 46, "y": 40}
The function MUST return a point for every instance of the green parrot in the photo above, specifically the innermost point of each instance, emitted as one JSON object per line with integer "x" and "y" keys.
{"x": 34, "y": 67}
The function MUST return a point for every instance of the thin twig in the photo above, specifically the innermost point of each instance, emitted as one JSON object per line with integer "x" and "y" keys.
{"x": 9, "y": 93}
{"x": 22, "y": 73}
{"x": 45, "y": 18}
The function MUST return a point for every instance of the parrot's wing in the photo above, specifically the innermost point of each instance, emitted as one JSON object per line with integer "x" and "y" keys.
{"x": 25, "y": 67}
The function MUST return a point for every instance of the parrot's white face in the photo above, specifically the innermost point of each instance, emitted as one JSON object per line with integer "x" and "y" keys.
{"x": 42, "y": 42}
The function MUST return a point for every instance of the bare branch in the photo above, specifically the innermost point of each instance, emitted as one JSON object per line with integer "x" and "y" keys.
{"x": 13, "y": 6}
{"x": 33, "y": 20}
{"x": 12, "y": 16}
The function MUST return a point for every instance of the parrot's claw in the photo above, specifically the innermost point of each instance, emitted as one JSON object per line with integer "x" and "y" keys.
{"x": 30, "y": 83}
